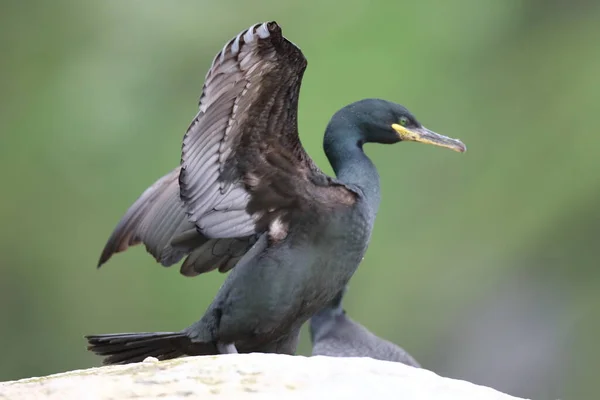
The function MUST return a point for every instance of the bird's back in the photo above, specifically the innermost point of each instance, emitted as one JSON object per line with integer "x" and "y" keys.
{"x": 340, "y": 336}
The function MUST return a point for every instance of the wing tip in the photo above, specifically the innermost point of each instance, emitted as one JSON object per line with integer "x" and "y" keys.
{"x": 259, "y": 31}
{"x": 106, "y": 255}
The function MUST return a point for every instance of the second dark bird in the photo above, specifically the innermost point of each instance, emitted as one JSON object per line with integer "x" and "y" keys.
{"x": 247, "y": 195}
{"x": 334, "y": 334}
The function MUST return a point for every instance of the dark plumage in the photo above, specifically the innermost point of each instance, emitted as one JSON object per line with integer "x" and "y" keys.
{"x": 335, "y": 334}
{"x": 247, "y": 195}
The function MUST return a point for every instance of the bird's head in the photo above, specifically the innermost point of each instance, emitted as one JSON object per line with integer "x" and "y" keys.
{"x": 381, "y": 121}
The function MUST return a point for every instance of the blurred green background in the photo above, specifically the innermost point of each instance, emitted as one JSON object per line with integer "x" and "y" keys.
{"x": 483, "y": 265}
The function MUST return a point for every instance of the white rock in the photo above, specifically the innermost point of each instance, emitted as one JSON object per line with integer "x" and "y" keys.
{"x": 250, "y": 376}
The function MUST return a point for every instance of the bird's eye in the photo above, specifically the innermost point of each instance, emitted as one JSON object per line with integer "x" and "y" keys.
{"x": 403, "y": 121}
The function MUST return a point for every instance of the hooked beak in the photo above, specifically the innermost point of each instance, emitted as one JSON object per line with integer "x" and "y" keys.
{"x": 426, "y": 136}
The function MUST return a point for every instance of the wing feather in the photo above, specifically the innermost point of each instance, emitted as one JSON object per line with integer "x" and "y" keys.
{"x": 158, "y": 220}
{"x": 153, "y": 219}
{"x": 244, "y": 140}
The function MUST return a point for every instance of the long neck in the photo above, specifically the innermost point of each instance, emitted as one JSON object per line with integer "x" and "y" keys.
{"x": 344, "y": 150}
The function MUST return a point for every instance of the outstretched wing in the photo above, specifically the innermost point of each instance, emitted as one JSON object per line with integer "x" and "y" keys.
{"x": 243, "y": 168}
{"x": 158, "y": 220}
{"x": 153, "y": 219}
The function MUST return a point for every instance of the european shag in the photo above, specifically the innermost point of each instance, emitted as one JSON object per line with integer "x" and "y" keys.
{"x": 335, "y": 334}
{"x": 246, "y": 194}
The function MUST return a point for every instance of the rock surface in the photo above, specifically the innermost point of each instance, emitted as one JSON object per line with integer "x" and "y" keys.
{"x": 250, "y": 376}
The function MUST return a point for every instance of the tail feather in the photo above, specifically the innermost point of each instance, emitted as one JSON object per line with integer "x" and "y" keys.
{"x": 125, "y": 348}
{"x": 136, "y": 355}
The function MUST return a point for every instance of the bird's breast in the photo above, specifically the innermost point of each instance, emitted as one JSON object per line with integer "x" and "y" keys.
{"x": 336, "y": 254}
{"x": 295, "y": 277}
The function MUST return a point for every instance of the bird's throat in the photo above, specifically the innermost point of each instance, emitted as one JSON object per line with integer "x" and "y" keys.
{"x": 352, "y": 167}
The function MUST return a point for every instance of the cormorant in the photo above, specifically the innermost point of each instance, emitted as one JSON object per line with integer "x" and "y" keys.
{"x": 335, "y": 334}
{"x": 246, "y": 194}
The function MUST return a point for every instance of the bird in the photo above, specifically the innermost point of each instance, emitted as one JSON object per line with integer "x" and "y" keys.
{"x": 334, "y": 334}
{"x": 247, "y": 199}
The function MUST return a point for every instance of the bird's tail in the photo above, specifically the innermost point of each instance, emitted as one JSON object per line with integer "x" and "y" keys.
{"x": 125, "y": 348}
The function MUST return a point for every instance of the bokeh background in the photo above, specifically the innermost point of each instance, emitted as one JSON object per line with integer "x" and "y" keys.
{"x": 483, "y": 265}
